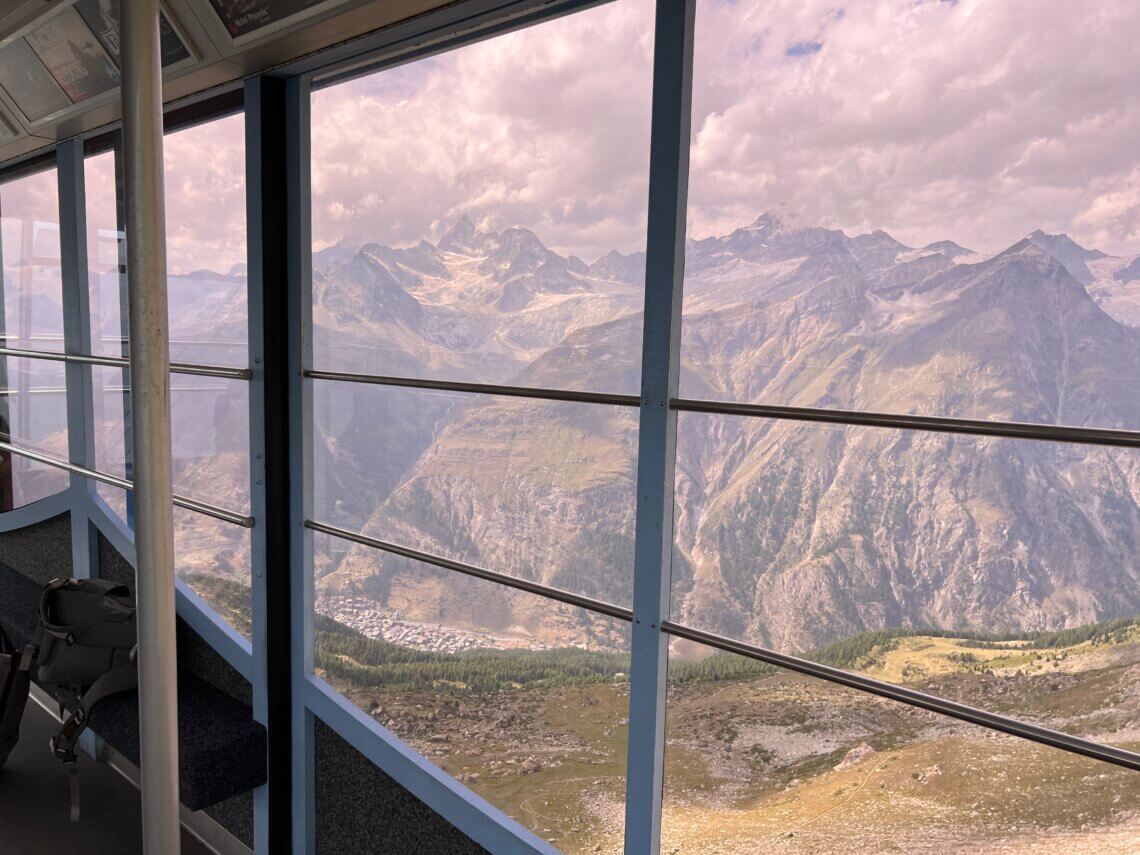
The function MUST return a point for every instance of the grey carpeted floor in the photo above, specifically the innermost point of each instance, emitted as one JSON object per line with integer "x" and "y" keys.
{"x": 34, "y": 803}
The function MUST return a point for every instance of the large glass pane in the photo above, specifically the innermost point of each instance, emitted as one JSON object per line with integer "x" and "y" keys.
{"x": 209, "y": 431}
{"x": 23, "y": 481}
{"x": 33, "y": 404}
{"x": 33, "y": 414}
{"x": 537, "y": 489}
{"x": 468, "y": 226}
{"x": 105, "y": 258}
{"x": 29, "y": 249}
{"x": 762, "y": 760}
{"x": 206, "y": 242}
{"x": 1000, "y": 572}
{"x": 206, "y": 247}
{"x": 112, "y": 402}
{"x": 943, "y": 232}
{"x": 112, "y": 438}
{"x": 120, "y": 502}
{"x": 534, "y": 719}
{"x": 213, "y": 558}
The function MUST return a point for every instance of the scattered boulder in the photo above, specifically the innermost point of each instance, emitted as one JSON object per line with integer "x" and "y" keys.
{"x": 854, "y": 756}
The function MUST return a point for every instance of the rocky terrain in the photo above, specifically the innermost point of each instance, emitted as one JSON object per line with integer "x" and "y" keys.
{"x": 767, "y": 760}
{"x": 789, "y": 534}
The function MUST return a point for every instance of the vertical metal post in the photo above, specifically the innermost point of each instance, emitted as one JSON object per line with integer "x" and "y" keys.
{"x": 300, "y": 356}
{"x": 124, "y": 327}
{"x": 657, "y": 432}
{"x": 267, "y": 204}
{"x": 150, "y": 398}
{"x": 7, "y": 477}
{"x": 77, "y": 340}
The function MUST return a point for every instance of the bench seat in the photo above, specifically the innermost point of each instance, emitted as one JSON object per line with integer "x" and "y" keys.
{"x": 221, "y": 749}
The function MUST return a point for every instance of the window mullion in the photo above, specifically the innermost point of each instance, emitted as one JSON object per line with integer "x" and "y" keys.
{"x": 300, "y": 461}
{"x": 77, "y": 340}
{"x": 657, "y": 440}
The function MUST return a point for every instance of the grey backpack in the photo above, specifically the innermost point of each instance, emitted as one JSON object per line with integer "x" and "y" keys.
{"x": 88, "y": 646}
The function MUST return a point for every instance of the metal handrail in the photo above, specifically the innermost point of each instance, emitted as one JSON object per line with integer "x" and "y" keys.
{"x": 123, "y": 362}
{"x": 568, "y": 395}
{"x": 937, "y": 424}
{"x": 180, "y": 501}
{"x": 567, "y": 597}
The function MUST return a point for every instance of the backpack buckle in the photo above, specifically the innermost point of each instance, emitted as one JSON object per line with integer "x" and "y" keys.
{"x": 27, "y": 656}
{"x": 63, "y": 743}
{"x": 63, "y": 751}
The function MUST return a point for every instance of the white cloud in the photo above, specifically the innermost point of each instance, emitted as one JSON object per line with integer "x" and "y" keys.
{"x": 546, "y": 128}
{"x": 205, "y": 196}
{"x": 1112, "y": 218}
{"x": 977, "y": 121}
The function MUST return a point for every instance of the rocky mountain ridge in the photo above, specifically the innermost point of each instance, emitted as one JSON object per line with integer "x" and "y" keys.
{"x": 790, "y": 534}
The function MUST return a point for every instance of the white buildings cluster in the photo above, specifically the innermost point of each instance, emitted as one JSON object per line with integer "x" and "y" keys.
{"x": 365, "y": 617}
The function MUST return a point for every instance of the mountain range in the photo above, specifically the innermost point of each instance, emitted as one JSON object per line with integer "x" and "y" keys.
{"x": 789, "y": 534}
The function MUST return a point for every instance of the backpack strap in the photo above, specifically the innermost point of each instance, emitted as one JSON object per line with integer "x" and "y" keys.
{"x": 120, "y": 679}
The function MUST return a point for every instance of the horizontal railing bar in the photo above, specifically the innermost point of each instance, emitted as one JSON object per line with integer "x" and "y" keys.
{"x": 567, "y": 597}
{"x": 108, "y": 361}
{"x": 45, "y": 355}
{"x": 123, "y": 362}
{"x": 62, "y": 390}
{"x": 976, "y": 427}
{"x": 571, "y": 396}
{"x": 115, "y": 481}
{"x": 209, "y": 510}
{"x": 942, "y": 706}
{"x": 211, "y": 370}
{"x": 221, "y": 342}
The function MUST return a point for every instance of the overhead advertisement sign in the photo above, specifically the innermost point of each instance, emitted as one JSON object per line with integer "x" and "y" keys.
{"x": 242, "y": 17}
{"x": 73, "y": 56}
{"x": 102, "y": 16}
{"x": 25, "y": 79}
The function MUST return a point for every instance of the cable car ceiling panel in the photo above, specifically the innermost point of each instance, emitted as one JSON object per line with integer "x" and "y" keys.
{"x": 59, "y": 59}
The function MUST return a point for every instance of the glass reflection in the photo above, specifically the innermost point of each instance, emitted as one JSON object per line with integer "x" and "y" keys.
{"x": 32, "y": 302}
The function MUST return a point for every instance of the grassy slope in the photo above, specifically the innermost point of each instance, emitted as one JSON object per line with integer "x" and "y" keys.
{"x": 755, "y": 756}
{"x": 546, "y": 743}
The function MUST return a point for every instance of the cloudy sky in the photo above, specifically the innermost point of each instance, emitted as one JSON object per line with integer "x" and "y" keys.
{"x": 205, "y": 196}
{"x": 976, "y": 121}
